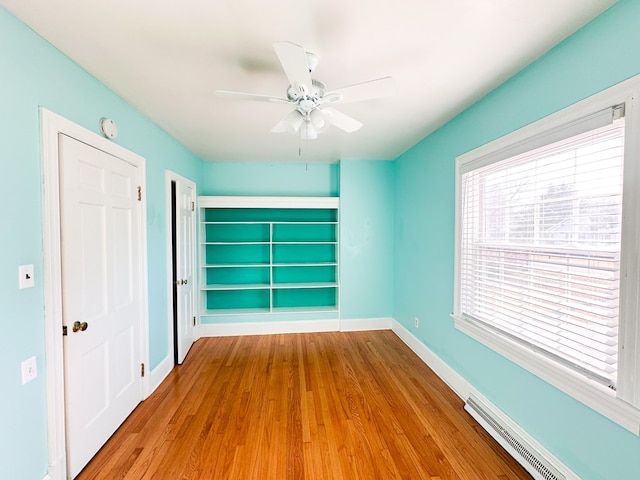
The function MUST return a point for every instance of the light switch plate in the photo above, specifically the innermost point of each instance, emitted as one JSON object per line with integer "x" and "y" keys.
{"x": 25, "y": 276}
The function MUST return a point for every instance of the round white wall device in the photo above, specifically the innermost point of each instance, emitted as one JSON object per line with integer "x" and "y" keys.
{"x": 108, "y": 128}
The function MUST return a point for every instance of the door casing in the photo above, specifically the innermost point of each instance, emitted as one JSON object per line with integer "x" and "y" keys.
{"x": 51, "y": 126}
{"x": 171, "y": 177}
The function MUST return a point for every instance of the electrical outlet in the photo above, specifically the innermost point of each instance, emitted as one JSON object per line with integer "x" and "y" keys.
{"x": 29, "y": 370}
{"x": 416, "y": 322}
{"x": 25, "y": 276}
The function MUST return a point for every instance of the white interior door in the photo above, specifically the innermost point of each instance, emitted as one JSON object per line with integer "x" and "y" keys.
{"x": 185, "y": 264}
{"x": 101, "y": 290}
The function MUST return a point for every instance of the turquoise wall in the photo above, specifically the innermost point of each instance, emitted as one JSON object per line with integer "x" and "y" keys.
{"x": 278, "y": 179}
{"x": 366, "y": 240}
{"x": 35, "y": 74}
{"x": 601, "y": 54}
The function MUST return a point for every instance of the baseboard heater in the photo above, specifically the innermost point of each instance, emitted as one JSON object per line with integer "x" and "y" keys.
{"x": 531, "y": 459}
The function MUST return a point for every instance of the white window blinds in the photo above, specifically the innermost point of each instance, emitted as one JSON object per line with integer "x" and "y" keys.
{"x": 540, "y": 245}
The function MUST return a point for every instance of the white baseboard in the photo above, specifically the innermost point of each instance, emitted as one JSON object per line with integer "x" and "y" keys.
{"x": 302, "y": 326}
{"x": 267, "y": 328}
{"x": 463, "y": 389}
{"x": 158, "y": 374}
{"x": 444, "y": 371}
{"x": 57, "y": 469}
{"x": 365, "y": 324}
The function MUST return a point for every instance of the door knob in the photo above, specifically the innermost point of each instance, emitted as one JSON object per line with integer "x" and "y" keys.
{"x": 80, "y": 326}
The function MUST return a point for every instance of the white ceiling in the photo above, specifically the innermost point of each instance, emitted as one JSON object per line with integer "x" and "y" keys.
{"x": 167, "y": 57}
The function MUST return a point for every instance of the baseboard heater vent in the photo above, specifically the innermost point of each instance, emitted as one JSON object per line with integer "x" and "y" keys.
{"x": 513, "y": 443}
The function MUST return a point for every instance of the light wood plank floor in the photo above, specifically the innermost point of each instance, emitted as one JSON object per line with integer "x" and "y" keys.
{"x": 303, "y": 406}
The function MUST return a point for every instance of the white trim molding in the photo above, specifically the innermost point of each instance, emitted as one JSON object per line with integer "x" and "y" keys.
{"x": 365, "y": 324}
{"x": 464, "y": 389}
{"x": 297, "y": 326}
{"x": 444, "y": 371}
{"x": 267, "y": 202}
{"x": 51, "y": 127}
{"x": 266, "y": 328}
{"x": 158, "y": 374}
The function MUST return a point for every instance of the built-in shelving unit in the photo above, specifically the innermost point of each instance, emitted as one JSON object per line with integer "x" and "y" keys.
{"x": 268, "y": 255}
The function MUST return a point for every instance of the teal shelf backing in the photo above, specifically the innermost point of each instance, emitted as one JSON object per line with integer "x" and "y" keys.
{"x": 304, "y": 274}
{"x": 291, "y": 232}
{"x": 231, "y": 299}
{"x": 291, "y": 253}
{"x": 237, "y": 276}
{"x": 236, "y": 254}
{"x": 270, "y": 215}
{"x": 250, "y": 232}
{"x": 311, "y": 297}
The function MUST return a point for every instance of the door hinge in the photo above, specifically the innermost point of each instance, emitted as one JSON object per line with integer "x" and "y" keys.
{"x": 193, "y": 206}
{"x": 142, "y": 369}
{"x": 194, "y": 321}
{"x": 64, "y": 330}
{"x": 139, "y": 194}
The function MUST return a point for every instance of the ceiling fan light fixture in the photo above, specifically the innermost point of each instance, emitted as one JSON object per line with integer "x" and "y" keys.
{"x": 318, "y": 119}
{"x": 307, "y": 132}
{"x": 293, "y": 121}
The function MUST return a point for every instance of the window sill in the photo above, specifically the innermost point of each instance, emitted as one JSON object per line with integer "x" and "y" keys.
{"x": 589, "y": 392}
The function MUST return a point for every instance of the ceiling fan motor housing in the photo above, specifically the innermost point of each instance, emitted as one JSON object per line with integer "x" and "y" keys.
{"x": 300, "y": 91}
{"x": 306, "y": 99}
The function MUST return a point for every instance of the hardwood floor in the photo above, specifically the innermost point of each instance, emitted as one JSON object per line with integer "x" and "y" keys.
{"x": 303, "y": 406}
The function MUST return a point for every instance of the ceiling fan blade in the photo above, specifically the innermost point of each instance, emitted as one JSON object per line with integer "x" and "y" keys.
{"x": 342, "y": 121}
{"x": 250, "y": 96}
{"x": 279, "y": 128}
{"x": 294, "y": 63}
{"x": 381, "y": 87}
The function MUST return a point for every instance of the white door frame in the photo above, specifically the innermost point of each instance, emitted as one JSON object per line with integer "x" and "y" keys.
{"x": 174, "y": 177}
{"x": 51, "y": 125}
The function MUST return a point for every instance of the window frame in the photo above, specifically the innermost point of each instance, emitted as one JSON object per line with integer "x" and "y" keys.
{"x": 621, "y": 406}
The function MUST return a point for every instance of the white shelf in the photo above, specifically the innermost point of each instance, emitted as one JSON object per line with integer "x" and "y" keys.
{"x": 269, "y": 222}
{"x": 237, "y": 265}
{"x": 236, "y": 243}
{"x": 254, "y": 222}
{"x": 234, "y": 311}
{"x": 263, "y": 311}
{"x": 268, "y": 202}
{"x": 304, "y": 243}
{"x": 236, "y": 286}
{"x": 316, "y": 309}
{"x": 304, "y": 264}
{"x": 277, "y": 286}
{"x": 306, "y": 222}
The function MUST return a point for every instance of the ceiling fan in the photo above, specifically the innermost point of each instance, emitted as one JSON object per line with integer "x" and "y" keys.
{"x": 309, "y": 97}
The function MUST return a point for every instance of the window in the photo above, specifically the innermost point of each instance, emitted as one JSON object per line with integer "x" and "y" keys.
{"x": 546, "y": 251}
